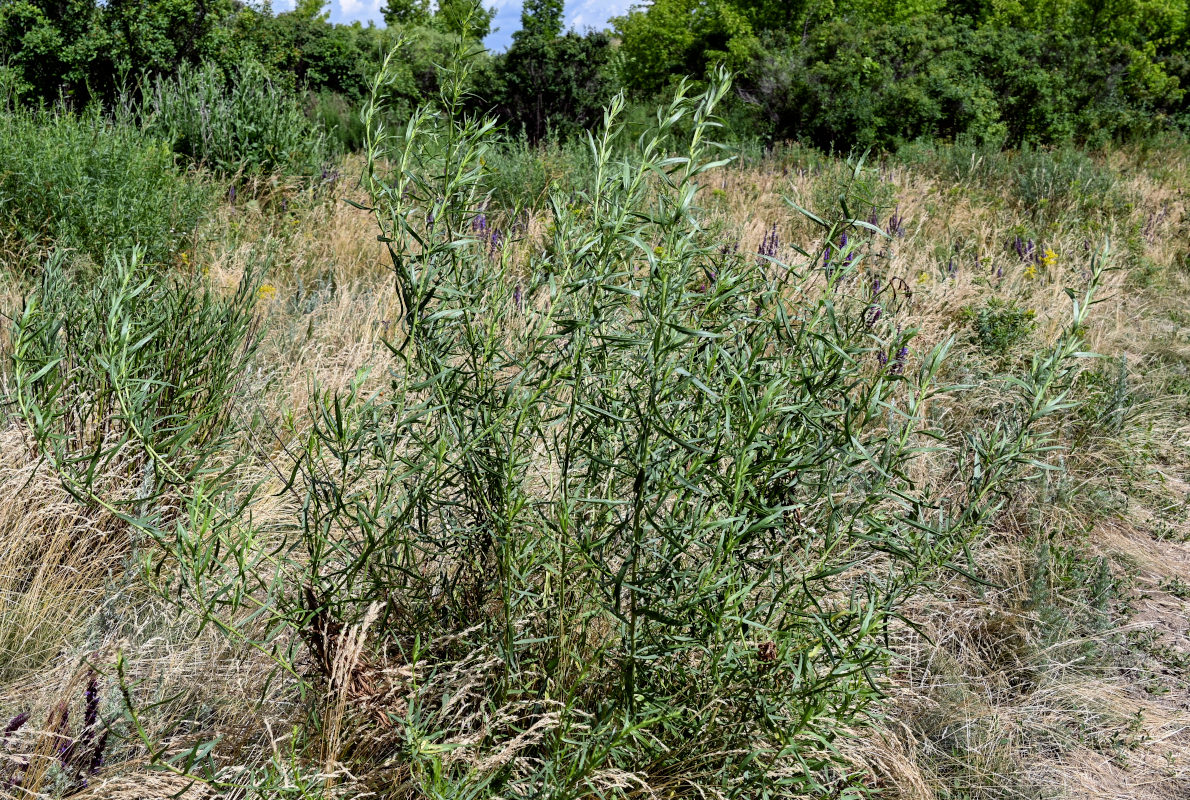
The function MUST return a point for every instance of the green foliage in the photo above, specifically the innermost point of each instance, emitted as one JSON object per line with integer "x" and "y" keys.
{"x": 879, "y": 73}
{"x": 644, "y": 502}
{"x": 467, "y": 19}
{"x": 555, "y": 85}
{"x": 851, "y": 85}
{"x": 92, "y": 184}
{"x": 540, "y": 19}
{"x": 242, "y": 123}
{"x": 644, "y": 496}
{"x": 308, "y": 53}
{"x": 520, "y": 174}
{"x": 1000, "y": 325}
{"x": 129, "y": 370}
{"x": 406, "y": 11}
{"x": 339, "y": 118}
{"x": 666, "y": 422}
{"x": 672, "y": 39}
{"x": 1062, "y": 179}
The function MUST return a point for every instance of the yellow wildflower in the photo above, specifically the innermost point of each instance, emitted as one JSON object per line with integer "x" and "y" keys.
{"x": 1030, "y": 272}
{"x": 266, "y": 291}
{"x": 1049, "y": 259}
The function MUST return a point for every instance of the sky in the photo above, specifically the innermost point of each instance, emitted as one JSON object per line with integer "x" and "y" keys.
{"x": 580, "y": 14}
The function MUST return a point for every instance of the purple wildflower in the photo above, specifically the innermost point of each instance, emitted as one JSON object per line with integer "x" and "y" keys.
{"x": 898, "y": 365}
{"x": 90, "y": 714}
{"x": 91, "y": 702}
{"x": 770, "y": 244}
{"x": 881, "y": 357}
{"x": 849, "y": 256}
{"x": 97, "y": 756}
{"x": 480, "y": 223}
{"x": 896, "y": 223}
{"x": 231, "y": 193}
{"x": 517, "y": 297}
{"x": 872, "y": 314}
{"x": 15, "y": 724}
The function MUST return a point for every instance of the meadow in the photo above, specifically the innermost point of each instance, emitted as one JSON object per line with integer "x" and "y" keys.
{"x": 640, "y": 466}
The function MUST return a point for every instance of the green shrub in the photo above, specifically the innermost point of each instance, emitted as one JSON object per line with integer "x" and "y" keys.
{"x": 242, "y": 122}
{"x": 93, "y": 184}
{"x": 520, "y": 173}
{"x": 129, "y": 370}
{"x": 849, "y": 84}
{"x": 555, "y": 85}
{"x": 1000, "y": 325}
{"x": 1062, "y": 179}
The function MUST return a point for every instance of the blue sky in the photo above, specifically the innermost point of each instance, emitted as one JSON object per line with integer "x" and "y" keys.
{"x": 580, "y": 14}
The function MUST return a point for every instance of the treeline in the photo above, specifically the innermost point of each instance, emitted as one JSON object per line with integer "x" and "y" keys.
{"x": 835, "y": 73}
{"x": 879, "y": 72}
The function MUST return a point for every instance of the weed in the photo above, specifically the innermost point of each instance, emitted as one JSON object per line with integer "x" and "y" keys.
{"x": 1000, "y": 325}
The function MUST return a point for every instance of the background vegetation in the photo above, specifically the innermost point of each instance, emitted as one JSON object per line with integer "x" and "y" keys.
{"x": 834, "y": 74}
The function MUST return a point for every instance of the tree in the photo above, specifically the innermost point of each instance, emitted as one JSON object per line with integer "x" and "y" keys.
{"x": 406, "y": 12}
{"x": 313, "y": 10}
{"x": 466, "y": 18}
{"x": 540, "y": 19}
{"x": 557, "y": 84}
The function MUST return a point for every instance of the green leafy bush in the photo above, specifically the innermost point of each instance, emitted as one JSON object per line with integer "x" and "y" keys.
{"x": 339, "y": 118}
{"x": 242, "y": 122}
{"x": 555, "y": 84}
{"x": 1063, "y": 179}
{"x": 94, "y": 184}
{"x": 519, "y": 173}
{"x": 870, "y": 84}
{"x": 1000, "y": 325}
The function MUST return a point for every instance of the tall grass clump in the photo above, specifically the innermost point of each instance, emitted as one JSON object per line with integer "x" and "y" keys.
{"x": 93, "y": 184}
{"x": 244, "y": 121}
{"x": 634, "y": 512}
